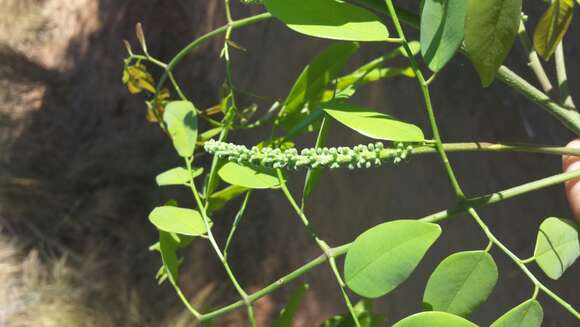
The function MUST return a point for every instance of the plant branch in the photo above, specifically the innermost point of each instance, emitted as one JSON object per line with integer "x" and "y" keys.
{"x": 213, "y": 242}
{"x": 322, "y": 244}
{"x": 481, "y": 201}
{"x": 570, "y": 118}
{"x": 236, "y": 222}
{"x": 534, "y": 60}
{"x": 521, "y": 265}
{"x": 424, "y": 86}
{"x": 565, "y": 97}
{"x": 206, "y": 37}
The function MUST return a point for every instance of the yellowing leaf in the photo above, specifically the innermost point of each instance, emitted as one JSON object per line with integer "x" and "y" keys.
{"x": 552, "y": 27}
{"x": 137, "y": 79}
{"x": 157, "y": 106}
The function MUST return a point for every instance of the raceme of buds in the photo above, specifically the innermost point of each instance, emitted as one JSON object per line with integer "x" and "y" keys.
{"x": 360, "y": 156}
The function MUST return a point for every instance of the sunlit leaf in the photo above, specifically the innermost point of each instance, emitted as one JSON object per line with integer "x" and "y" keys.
{"x": 177, "y": 176}
{"x": 557, "y": 246}
{"x": 491, "y": 27}
{"x": 527, "y": 314}
{"x": 434, "y": 319}
{"x": 461, "y": 282}
{"x": 181, "y": 120}
{"x": 552, "y": 27}
{"x": 373, "y": 124}
{"x": 384, "y": 256}
{"x": 329, "y": 19}
{"x": 218, "y": 199}
{"x": 178, "y": 220}
{"x": 254, "y": 178}
{"x": 310, "y": 85}
{"x": 441, "y": 30}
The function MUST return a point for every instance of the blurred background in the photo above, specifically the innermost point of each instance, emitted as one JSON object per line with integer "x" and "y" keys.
{"x": 78, "y": 161}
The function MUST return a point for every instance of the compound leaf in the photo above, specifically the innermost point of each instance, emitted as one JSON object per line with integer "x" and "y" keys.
{"x": 384, "y": 256}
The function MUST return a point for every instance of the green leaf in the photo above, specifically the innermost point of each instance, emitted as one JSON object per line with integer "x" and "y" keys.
{"x": 552, "y": 27}
{"x": 364, "y": 314}
{"x": 218, "y": 199}
{"x": 361, "y": 78}
{"x": 461, "y": 282}
{"x": 210, "y": 133}
{"x": 254, "y": 178}
{"x": 168, "y": 248}
{"x": 442, "y": 23}
{"x": 373, "y": 124}
{"x": 557, "y": 246}
{"x": 329, "y": 19}
{"x": 491, "y": 27}
{"x": 310, "y": 85}
{"x": 177, "y": 176}
{"x": 289, "y": 311}
{"x": 527, "y": 314}
{"x": 181, "y": 120}
{"x": 384, "y": 256}
{"x": 178, "y": 220}
{"x": 434, "y": 319}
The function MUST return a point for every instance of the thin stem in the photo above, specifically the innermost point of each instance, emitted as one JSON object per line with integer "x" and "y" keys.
{"x": 211, "y": 238}
{"x": 335, "y": 252}
{"x": 522, "y": 266}
{"x": 559, "y": 58}
{"x": 425, "y": 91}
{"x": 322, "y": 244}
{"x": 485, "y": 200}
{"x": 500, "y": 147}
{"x": 236, "y": 222}
{"x": 534, "y": 61}
{"x": 183, "y": 299}
{"x": 569, "y": 118}
{"x": 528, "y": 260}
{"x": 208, "y": 36}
